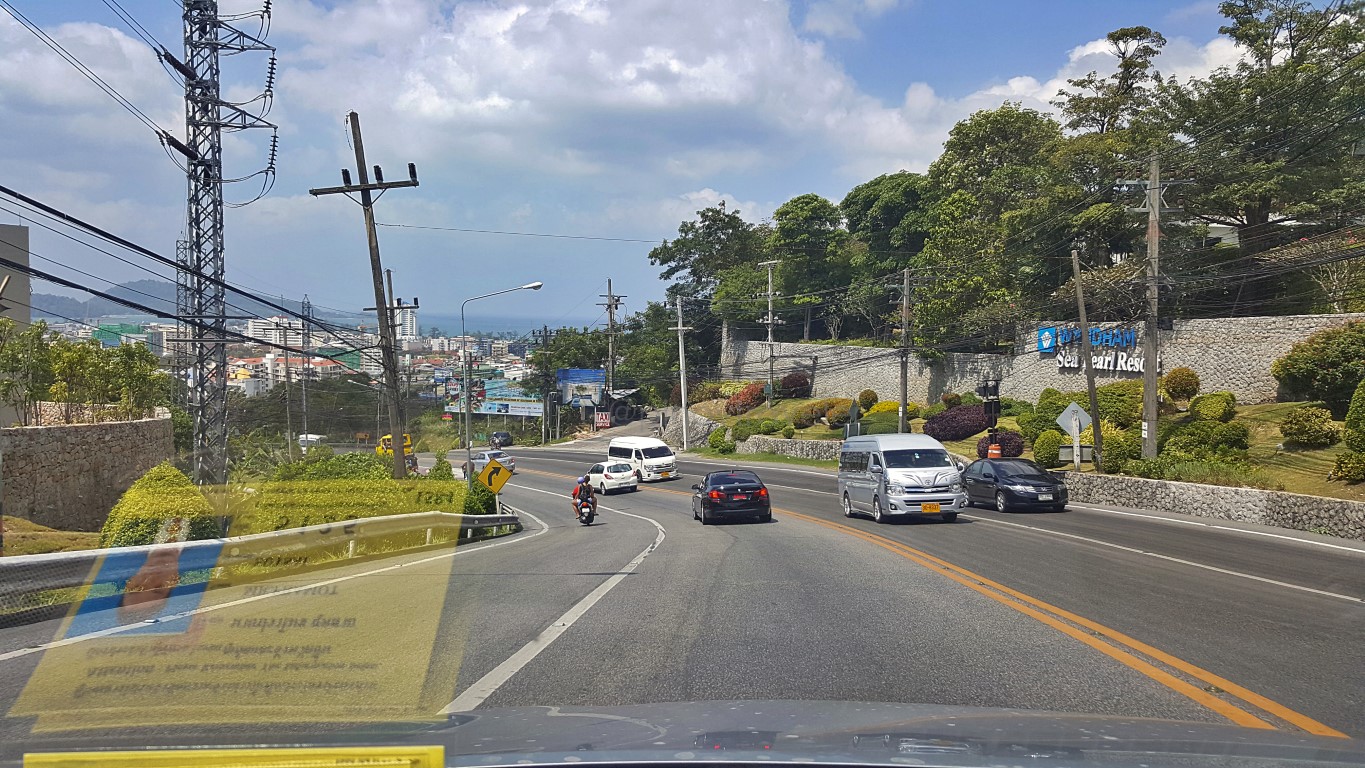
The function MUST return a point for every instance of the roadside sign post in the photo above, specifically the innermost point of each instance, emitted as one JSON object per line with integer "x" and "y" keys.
{"x": 494, "y": 475}
{"x": 1074, "y": 419}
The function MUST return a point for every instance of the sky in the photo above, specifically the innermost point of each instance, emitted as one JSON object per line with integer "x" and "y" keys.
{"x": 575, "y": 118}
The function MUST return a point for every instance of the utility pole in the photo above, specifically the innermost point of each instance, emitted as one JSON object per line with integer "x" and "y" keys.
{"x": 769, "y": 321}
{"x": 308, "y": 361}
{"x": 612, "y": 304}
{"x": 544, "y": 337}
{"x": 1150, "y": 342}
{"x": 1088, "y": 358}
{"x": 904, "y": 424}
{"x": 682, "y": 369}
{"x": 388, "y": 347}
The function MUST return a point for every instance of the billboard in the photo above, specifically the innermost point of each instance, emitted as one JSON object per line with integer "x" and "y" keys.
{"x": 505, "y": 397}
{"x": 581, "y": 386}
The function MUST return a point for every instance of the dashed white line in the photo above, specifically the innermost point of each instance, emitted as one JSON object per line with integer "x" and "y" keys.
{"x": 487, "y": 685}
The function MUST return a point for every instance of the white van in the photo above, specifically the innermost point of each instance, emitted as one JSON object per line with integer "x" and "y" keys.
{"x": 651, "y": 457}
{"x": 889, "y": 476}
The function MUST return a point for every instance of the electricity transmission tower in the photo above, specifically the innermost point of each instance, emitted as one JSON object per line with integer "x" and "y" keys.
{"x": 207, "y": 115}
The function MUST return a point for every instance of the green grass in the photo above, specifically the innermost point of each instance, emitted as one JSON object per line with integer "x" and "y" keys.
{"x": 1301, "y": 471}
{"x": 25, "y": 538}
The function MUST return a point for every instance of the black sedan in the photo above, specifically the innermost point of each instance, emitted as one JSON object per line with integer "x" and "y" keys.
{"x": 1010, "y": 484}
{"x": 730, "y": 494}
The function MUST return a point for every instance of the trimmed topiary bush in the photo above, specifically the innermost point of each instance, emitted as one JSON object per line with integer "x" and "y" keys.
{"x": 1327, "y": 366}
{"x": 1350, "y": 467}
{"x": 795, "y": 385}
{"x": 1011, "y": 444}
{"x": 441, "y": 470}
{"x": 951, "y": 400}
{"x": 770, "y": 426}
{"x": 1181, "y": 383}
{"x": 716, "y": 438}
{"x": 161, "y": 506}
{"x": 1119, "y": 446}
{"x": 957, "y": 423}
{"x": 744, "y": 429}
{"x": 838, "y": 412}
{"x": 745, "y": 400}
{"x": 788, "y": 431}
{"x": 1047, "y": 446}
{"x": 1215, "y": 406}
{"x": 1355, "y": 420}
{"x": 1234, "y": 434}
{"x": 866, "y": 399}
{"x": 1310, "y": 427}
{"x": 933, "y": 410}
{"x": 969, "y": 398}
{"x": 1119, "y": 402}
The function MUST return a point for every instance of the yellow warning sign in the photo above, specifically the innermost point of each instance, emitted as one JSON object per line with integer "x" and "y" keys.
{"x": 495, "y": 476}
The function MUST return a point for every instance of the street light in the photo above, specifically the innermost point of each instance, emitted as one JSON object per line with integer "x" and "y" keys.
{"x": 464, "y": 360}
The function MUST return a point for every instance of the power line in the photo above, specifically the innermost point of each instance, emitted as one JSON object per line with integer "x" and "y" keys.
{"x": 519, "y": 234}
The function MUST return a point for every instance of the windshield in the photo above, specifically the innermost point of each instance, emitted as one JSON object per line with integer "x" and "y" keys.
{"x": 920, "y": 458}
{"x": 313, "y": 312}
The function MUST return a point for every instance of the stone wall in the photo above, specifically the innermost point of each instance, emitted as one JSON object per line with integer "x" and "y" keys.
{"x": 1231, "y": 354}
{"x": 827, "y": 450}
{"x": 698, "y": 429}
{"x": 69, "y": 476}
{"x": 1334, "y": 517}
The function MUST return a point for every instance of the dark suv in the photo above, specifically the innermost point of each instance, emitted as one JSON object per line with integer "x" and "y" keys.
{"x": 500, "y": 439}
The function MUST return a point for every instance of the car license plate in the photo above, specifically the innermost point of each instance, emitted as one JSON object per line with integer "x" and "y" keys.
{"x": 739, "y": 497}
{"x": 930, "y": 508}
{"x": 663, "y": 474}
{"x": 1045, "y": 497}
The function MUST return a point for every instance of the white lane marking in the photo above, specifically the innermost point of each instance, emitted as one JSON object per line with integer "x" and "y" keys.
{"x": 467, "y": 549}
{"x": 777, "y": 467}
{"x": 485, "y": 686}
{"x": 1160, "y": 556}
{"x": 1204, "y": 524}
{"x": 802, "y": 490}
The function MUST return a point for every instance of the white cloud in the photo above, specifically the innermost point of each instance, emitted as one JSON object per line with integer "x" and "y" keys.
{"x": 842, "y": 18}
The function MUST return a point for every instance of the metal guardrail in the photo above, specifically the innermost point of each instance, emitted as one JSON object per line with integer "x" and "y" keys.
{"x": 22, "y": 575}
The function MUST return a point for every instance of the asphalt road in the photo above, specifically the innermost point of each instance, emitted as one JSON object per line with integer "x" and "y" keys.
{"x": 1087, "y": 611}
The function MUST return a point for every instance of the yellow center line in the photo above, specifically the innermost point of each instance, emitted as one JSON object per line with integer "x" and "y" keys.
{"x": 1035, "y": 608}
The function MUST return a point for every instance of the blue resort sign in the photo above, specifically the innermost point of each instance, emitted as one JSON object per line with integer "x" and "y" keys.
{"x": 1113, "y": 348}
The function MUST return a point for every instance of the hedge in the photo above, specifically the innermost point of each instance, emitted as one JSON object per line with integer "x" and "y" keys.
{"x": 744, "y": 429}
{"x": 795, "y": 385}
{"x": 718, "y": 442}
{"x": 951, "y": 400}
{"x": 1011, "y": 407}
{"x": 1047, "y": 446}
{"x": 163, "y": 496}
{"x": 1355, "y": 420}
{"x": 1119, "y": 446}
{"x": 957, "y": 423}
{"x": 1011, "y": 444}
{"x": 1215, "y": 406}
{"x": 745, "y": 400}
{"x": 838, "y": 411}
{"x": 1310, "y": 427}
{"x": 1350, "y": 467}
{"x": 1119, "y": 402}
{"x": 700, "y": 393}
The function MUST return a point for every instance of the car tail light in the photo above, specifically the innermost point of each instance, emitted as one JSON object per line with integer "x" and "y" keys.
{"x": 762, "y": 493}
{"x": 715, "y": 494}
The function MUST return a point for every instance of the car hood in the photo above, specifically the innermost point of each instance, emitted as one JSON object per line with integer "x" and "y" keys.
{"x": 923, "y": 478}
{"x": 775, "y": 731}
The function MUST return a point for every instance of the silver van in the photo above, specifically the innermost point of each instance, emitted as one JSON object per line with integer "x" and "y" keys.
{"x": 888, "y": 476}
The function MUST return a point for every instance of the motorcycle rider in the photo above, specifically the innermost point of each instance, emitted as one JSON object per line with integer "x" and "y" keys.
{"x": 583, "y": 491}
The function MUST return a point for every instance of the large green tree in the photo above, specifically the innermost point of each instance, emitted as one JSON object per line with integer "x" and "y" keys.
{"x": 719, "y": 239}
{"x": 807, "y": 240}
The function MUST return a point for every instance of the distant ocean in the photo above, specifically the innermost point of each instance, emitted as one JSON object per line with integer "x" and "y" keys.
{"x": 448, "y": 323}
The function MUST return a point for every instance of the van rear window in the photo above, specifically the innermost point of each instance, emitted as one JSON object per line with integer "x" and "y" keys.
{"x": 617, "y": 452}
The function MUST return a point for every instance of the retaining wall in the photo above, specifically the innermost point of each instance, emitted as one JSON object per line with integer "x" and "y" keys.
{"x": 1318, "y": 514}
{"x": 1232, "y": 354}
{"x": 69, "y": 476}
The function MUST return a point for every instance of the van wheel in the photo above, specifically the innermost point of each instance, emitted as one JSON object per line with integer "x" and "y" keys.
{"x": 877, "y": 513}
{"x": 848, "y": 508}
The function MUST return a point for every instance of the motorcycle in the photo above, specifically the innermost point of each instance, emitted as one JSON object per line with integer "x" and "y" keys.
{"x": 585, "y": 511}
